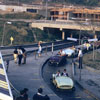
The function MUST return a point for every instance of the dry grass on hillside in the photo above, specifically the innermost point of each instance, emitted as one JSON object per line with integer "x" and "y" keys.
{"x": 88, "y": 60}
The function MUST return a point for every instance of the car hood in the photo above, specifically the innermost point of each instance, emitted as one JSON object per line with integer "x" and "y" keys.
{"x": 68, "y": 51}
{"x": 64, "y": 80}
{"x": 56, "y": 58}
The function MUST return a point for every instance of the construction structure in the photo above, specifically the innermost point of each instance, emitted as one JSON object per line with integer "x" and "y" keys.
{"x": 75, "y": 13}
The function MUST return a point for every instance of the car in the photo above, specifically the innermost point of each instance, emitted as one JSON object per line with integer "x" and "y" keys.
{"x": 57, "y": 60}
{"x": 63, "y": 82}
{"x": 71, "y": 52}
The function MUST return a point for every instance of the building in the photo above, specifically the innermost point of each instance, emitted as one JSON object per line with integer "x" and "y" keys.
{"x": 76, "y": 13}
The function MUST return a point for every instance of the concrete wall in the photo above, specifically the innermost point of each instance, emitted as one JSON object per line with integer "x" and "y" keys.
{"x": 18, "y": 8}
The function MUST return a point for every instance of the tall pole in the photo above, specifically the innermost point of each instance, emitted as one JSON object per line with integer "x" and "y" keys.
{"x": 2, "y": 42}
{"x": 80, "y": 36}
{"x": 46, "y": 10}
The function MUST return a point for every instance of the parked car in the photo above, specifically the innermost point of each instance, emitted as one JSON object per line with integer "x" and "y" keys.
{"x": 57, "y": 60}
{"x": 63, "y": 82}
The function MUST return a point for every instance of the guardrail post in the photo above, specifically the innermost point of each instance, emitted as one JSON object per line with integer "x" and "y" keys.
{"x": 93, "y": 52}
{"x": 46, "y": 50}
{"x": 52, "y": 47}
{"x": 7, "y": 64}
{"x": 73, "y": 67}
{"x": 35, "y": 54}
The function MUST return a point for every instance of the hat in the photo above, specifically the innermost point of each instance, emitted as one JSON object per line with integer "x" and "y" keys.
{"x": 25, "y": 90}
{"x": 40, "y": 90}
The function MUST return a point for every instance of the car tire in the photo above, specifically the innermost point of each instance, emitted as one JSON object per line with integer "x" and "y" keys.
{"x": 73, "y": 89}
{"x": 49, "y": 64}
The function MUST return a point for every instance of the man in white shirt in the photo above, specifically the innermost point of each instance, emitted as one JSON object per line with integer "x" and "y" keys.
{"x": 80, "y": 55}
{"x": 20, "y": 56}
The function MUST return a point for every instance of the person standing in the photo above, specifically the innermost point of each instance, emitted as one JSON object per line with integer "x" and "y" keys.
{"x": 24, "y": 55}
{"x": 80, "y": 55}
{"x": 15, "y": 54}
{"x": 20, "y": 56}
{"x": 39, "y": 49}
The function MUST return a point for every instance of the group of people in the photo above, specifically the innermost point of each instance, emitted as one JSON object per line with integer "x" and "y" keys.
{"x": 38, "y": 96}
{"x": 64, "y": 73}
{"x": 19, "y": 53}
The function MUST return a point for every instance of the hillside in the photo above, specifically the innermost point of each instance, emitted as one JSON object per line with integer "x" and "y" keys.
{"x": 74, "y": 2}
{"x": 22, "y": 32}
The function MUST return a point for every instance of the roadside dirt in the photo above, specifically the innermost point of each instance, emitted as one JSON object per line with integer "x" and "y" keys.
{"x": 88, "y": 60}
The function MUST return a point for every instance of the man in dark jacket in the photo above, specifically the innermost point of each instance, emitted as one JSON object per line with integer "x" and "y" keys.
{"x": 39, "y": 96}
{"x": 21, "y": 97}
{"x": 25, "y": 94}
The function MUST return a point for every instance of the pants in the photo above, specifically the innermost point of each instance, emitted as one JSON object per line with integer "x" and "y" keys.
{"x": 20, "y": 59}
{"x": 80, "y": 62}
{"x": 15, "y": 58}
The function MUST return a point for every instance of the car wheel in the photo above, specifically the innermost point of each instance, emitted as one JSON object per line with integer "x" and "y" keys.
{"x": 57, "y": 64}
{"x": 57, "y": 88}
{"x": 49, "y": 64}
{"x": 73, "y": 89}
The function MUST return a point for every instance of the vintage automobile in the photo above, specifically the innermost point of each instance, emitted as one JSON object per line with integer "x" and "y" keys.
{"x": 63, "y": 82}
{"x": 70, "y": 52}
{"x": 57, "y": 60}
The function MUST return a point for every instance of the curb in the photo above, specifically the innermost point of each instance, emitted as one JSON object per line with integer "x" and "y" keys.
{"x": 89, "y": 68}
{"x": 82, "y": 87}
{"x": 41, "y": 73}
{"x": 87, "y": 91}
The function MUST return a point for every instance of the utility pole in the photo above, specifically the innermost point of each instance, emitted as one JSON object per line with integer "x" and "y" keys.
{"x": 2, "y": 42}
{"x": 46, "y": 13}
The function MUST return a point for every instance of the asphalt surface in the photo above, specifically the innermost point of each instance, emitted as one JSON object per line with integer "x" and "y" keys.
{"x": 78, "y": 94}
{"x": 30, "y": 76}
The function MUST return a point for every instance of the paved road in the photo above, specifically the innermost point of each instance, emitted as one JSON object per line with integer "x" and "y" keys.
{"x": 79, "y": 94}
{"x": 30, "y": 76}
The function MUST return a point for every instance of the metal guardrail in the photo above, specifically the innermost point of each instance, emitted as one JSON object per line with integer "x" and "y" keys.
{"x": 45, "y": 49}
{"x": 31, "y": 45}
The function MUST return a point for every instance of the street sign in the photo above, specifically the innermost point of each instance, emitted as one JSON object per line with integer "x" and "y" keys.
{"x": 90, "y": 40}
{"x": 73, "y": 39}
